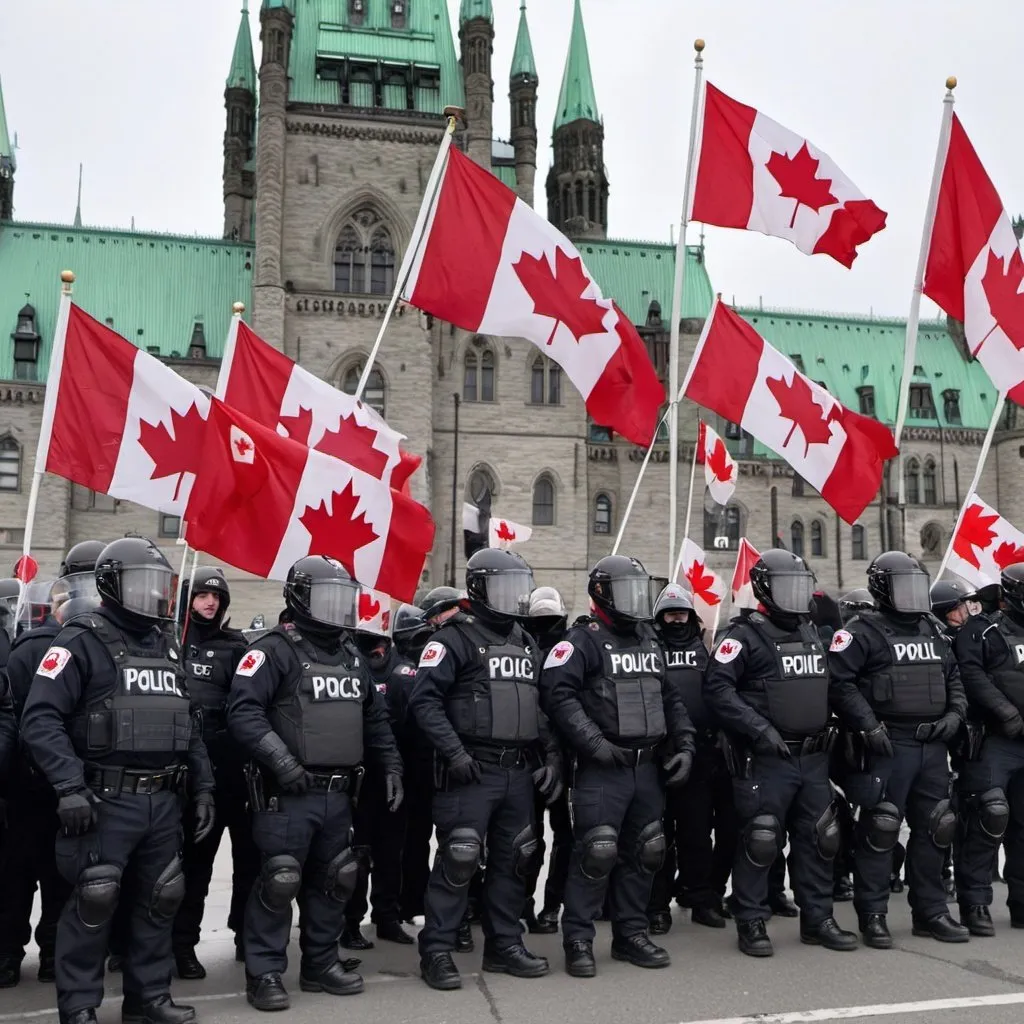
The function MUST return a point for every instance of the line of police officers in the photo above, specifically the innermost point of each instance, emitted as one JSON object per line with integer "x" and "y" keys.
{"x": 146, "y": 749}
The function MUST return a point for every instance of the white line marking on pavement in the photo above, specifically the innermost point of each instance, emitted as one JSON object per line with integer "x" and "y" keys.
{"x": 856, "y": 1012}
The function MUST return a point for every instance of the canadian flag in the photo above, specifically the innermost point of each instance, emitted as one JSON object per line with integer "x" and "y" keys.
{"x": 503, "y": 533}
{"x": 753, "y": 173}
{"x": 117, "y": 420}
{"x": 719, "y": 465}
{"x": 737, "y": 374}
{"x": 374, "y": 612}
{"x": 705, "y": 584}
{"x": 974, "y": 269}
{"x": 263, "y": 383}
{"x": 489, "y": 263}
{"x": 983, "y": 544}
{"x": 746, "y": 558}
{"x": 262, "y": 501}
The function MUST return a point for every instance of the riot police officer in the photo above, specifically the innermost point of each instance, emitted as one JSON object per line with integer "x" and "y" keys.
{"x": 441, "y": 603}
{"x": 703, "y": 806}
{"x": 854, "y": 602}
{"x": 990, "y": 653}
{"x": 302, "y": 705}
{"x": 768, "y": 684}
{"x": 605, "y": 688}
{"x": 212, "y": 653}
{"x": 475, "y": 699}
{"x": 109, "y": 722}
{"x": 903, "y": 695}
{"x": 949, "y": 605}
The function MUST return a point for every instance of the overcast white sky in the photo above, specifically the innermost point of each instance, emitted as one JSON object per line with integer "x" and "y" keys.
{"x": 134, "y": 90}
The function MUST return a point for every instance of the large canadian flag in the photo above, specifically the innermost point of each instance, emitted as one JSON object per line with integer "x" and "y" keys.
{"x": 983, "y": 544}
{"x": 974, "y": 270}
{"x": 754, "y": 173}
{"x": 719, "y": 465}
{"x": 262, "y": 501}
{"x": 489, "y": 263}
{"x": 121, "y": 422}
{"x": 738, "y": 375}
{"x": 746, "y": 558}
{"x": 262, "y": 382}
{"x": 707, "y": 587}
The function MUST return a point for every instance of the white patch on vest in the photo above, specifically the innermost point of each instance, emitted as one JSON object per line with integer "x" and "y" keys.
{"x": 337, "y": 688}
{"x": 559, "y": 654}
{"x": 841, "y": 639}
{"x": 433, "y": 654}
{"x": 635, "y": 663}
{"x": 150, "y": 680}
{"x": 250, "y": 663}
{"x": 53, "y": 662}
{"x": 916, "y": 650}
{"x": 682, "y": 659}
{"x": 728, "y": 650}
{"x": 506, "y": 666}
{"x": 1018, "y": 650}
{"x": 803, "y": 665}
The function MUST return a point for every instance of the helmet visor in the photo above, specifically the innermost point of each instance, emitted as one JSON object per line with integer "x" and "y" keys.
{"x": 77, "y": 584}
{"x": 911, "y": 593}
{"x": 508, "y": 592}
{"x": 334, "y": 603}
{"x": 634, "y": 597}
{"x": 148, "y": 590}
{"x": 792, "y": 592}
{"x": 36, "y": 605}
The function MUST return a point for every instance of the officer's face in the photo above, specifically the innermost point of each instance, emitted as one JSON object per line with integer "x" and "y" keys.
{"x": 959, "y": 615}
{"x": 679, "y": 615}
{"x": 206, "y": 605}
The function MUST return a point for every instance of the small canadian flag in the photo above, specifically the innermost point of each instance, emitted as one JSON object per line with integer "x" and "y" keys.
{"x": 503, "y": 533}
{"x": 719, "y": 465}
{"x": 983, "y": 544}
{"x": 746, "y": 558}
{"x": 707, "y": 587}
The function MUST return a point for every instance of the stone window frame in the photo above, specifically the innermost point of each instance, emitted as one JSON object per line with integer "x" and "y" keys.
{"x": 818, "y": 547}
{"x": 858, "y": 543}
{"x": 484, "y": 469}
{"x": 603, "y": 503}
{"x": 478, "y": 357}
{"x": 168, "y": 525}
{"x": 929, "y": 482}
{"x": 548, "y": 374}
{"x": 548, "y": 509}
{"x": 84, "y": 499}
{"x": 731, "y": 519}
{"x": 369, "y": 240}
{"x": 11, "y": 461}
{"x": 912, "y": 480}
{"x": 377, "y": 387}
{"x": 797, "y": 537}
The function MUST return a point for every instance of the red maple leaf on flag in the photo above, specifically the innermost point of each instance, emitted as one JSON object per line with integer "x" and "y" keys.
{"x": 385, "y": 620}
{"x": 505, "y": 532}
{"x": 50, "y": 662}
{"x": 1005, "y": 299}
{"x": 247, "y": 662}
{"x": 975, "y": 531}
{"x": 796, "y": 403}
{"x": 1008, "y": 553}
{"x": 719, "y": 464}
{"x": 797, "y": 179}
{"x": 353, "y": 444}
{"x": 178, "y": 453}
{"x": 299, "y": 425}
{"x": 560, "y": 294}
{"x": 242, "y": 445}
{"x": 336, "y": 531}
{"x": 368, "y": 606}
{"x": 701, "y": 583}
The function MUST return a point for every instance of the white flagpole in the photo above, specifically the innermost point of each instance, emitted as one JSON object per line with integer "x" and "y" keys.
{"x": 997, "y": 413}
{"x": 636, "y": 486}
{"x": 412, "y": 250}
{"x": 677, "y": 312}
{"x": 228, "y": 355}
{"x": 693, "y": 476}
{"x": 910, "y": 344}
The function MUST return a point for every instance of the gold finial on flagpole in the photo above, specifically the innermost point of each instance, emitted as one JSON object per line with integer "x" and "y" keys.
{"x": 698, "y": 45}
{"x": 67, "y": 278}
{"x": 951, "y": 83}
{"x": 238, "y": 308}
{"x": 454, "y": 115}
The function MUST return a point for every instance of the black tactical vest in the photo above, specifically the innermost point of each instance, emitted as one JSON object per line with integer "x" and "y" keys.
{"x": 320, "y": 718}
{"x": 686, "y": 669}
{"x": 208, "y": 682}
{"x": 495, "y": 697}
{"x": 794, "y": 698}
{"x": 914, "y": 688}
{"x": 1009, "y": 675}
{"x": 149, "y": 709}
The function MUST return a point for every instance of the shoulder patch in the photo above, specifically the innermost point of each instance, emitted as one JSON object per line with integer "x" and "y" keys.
{"x": 407, "y": 670}
{"x": 841, "y": 639}
{"x": 53, "y": 662}
{"x": 433, "y": 654}
{"x": 559, "y": 654}
{"x": 728, "y": 650}
{"x": 250, "y": 663}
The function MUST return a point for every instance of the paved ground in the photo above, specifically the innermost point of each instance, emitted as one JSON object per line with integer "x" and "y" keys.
{"x": 709, "y": 981}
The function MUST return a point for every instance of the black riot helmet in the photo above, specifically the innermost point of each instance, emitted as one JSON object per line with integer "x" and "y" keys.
{"x": 623, "y": 589}
{"x": 989, "y": 597}
{"x": 132, "y": 573}
{"x": 946, "y": 595}
{"x": 900, "y": 584}
{"x": 499, "y": 583}
{"x": 441, "y": 600}
{"x": 782, "y": 582}
{"x": 1012, "y": 581}
{"x": 410, "y": 631}
{"x": 855, "y": 602}
{"x": 319, "y": 591}
{"x": 210, "y": 579}
{"x": 77, "y": 572}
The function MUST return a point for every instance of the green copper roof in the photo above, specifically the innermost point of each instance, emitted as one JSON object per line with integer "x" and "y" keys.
{"x": 243, "y": 67}
{"x": 470, "y": 9}
{"x": 153, "y": 287}
{"x": 523, "y": 64}
{"x": 576, "y": 100}
{"x": 6, "y": 150}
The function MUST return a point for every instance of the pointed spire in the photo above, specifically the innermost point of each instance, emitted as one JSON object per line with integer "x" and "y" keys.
{"x": 576, "y": 100}
{"x": 523, "y": 64}
{"x": 6, "y": 149}
{"x": 243, "y": 65}
{"x": 471, "y": 9}
{"x": 78, "y": 207}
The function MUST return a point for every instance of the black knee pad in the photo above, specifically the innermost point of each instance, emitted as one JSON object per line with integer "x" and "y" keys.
{"x": 279, "y": 882}
{"x": 342, "y": 875}
{"x": 942, "y": 824}
{"x": 993, "y": 813}
{"x": 460, "y": 856}
{"x": 880, "y": 827}
{"x": 525, "y": 851}
{"x": 599, "y": 850}
{"x": 650, "y": 848}
{"x": 96, "y": 894}
{"x": 762, "y": 840}
{"x": 827, "y": 836}
{"x": 168, "y": 892}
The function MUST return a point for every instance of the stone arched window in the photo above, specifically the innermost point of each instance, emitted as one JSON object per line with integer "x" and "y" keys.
{"x": 796, "y": 533}
{"x": 364, "y": 256}
{"x": 375, "y": 393}
{"x": 478, "y": 373}
{"x": 382, "y": 262}
{"x": 602, "y": 514}
{"x": 929, "y": 492}
{"x": 10, "y": 464}
{"x": 545, "y": 381}
{"x": 817, "y": 539}
{"x": 481, "y": 483}
{"x": 912, "y": 481}
{"x": 859, "y": 544}
{"x": 544, "y": 501}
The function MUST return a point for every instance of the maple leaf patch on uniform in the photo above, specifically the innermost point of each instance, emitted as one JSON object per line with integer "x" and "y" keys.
{"x": 841, "y": 639}
{"x": 249, "y": 665}
{"x": 176, "y": 451}
{"x": 728, "y": 650}
{"x": 433, "y": 654}
{"x": 559, "y": 293}
{"x": 559, "y": 654}
{"x": 53, "y": 662}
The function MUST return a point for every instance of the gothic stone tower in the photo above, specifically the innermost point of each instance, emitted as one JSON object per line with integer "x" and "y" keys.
{"x": 476, "y": 41}
{"x": 522, "y": 96}
{"x": 239, "y": 137}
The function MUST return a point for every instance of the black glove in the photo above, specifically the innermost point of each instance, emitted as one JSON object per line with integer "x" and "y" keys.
{"x": 292, "y": 777}
{"x": 770, "y": 742}
{"x": 1012, "y": 727}
{"x": 77, "y": 812}
{"x": 877, "y": 741}
{"x": 677, "y": 768}
{"x": 548, "y": 781}
{"x": 463, "y": 769}
{"x": 944, "y": 730}
{"x": 395, "y": 792}
{"x": 205, "y": 816}
{"x": 608, "y": 755}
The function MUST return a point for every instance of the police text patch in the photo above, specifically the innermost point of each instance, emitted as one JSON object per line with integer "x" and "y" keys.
{"x": 53, "y": 662}
{"x": 433, "y": 654}
{"x": 841, "y": 639}
{"x": 728, "y": 650}
{"x": 250, "y": 663}
{"x": 559, "y": 654}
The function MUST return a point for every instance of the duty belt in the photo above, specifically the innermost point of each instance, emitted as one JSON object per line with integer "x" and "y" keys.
{"x": 823, "y": 740}
{"x": 345, "y": 780}
{"x": 107, "y": 779}
{"x": 503, "y": 757}
{"x": 640, "y": 755}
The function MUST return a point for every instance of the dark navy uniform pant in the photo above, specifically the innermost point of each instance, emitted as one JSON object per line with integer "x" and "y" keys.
{"x": 561, "y": 850}
{"x": 379, "y": 839}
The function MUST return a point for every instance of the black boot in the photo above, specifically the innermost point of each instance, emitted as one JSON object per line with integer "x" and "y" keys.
{"x": 79, "y": 1017}
{"x": 710, "y": 917}
{"x": 516, "y": 960}
{"x": 978, "y": 920}
{"x": 267, "y": 992}
{"x": 547, "y": 921}
{"x": 783, "y": 906}
{"x": 579, "y": 959}
{"x": 334, "y": 980}
{"x": 639, "y": 951}
{"x": 464, "y": 937}
{"x": 941, "y": 927}
{"x": 47, "y": 967}
{"x": 392, "y": 931}
{"x": 10, "y": 972}
{"x": 352, "y": 938}
{"x": 188, "y": 967}
{"x": 829, "y": 935}
{"x": 875, "y": 931}
{"x": 439, "y": 971}
{"x": 660, "y": 922}
{"x": 162, "y": 1010}
{"x": 752, "y": 938}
